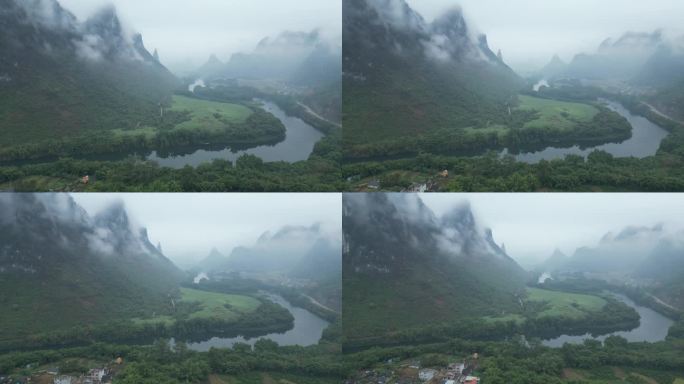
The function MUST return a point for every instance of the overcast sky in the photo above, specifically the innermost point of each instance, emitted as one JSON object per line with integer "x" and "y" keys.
{"x": 533, "y": 225}
{"x": 190, "y": 225}
{"x": 530, "y": 32}
{"x": 186, "y": 32}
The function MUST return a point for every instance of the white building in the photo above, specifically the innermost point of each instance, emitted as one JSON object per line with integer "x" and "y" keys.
{"x": 426, "y": 374}
{"x": 62, "y": 380}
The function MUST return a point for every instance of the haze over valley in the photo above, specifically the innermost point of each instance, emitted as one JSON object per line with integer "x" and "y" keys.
{"x": 93, "y": 282}
{"x": 439, "y": 277}
{"x": 439, "y": 91}
{"x": 82, "y": 82}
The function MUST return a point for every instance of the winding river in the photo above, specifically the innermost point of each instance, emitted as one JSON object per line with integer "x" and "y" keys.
{"x": 653, "y": 327}
{"x": 308, "y": 329}
{"x": 645, "y": 141}
{"x": 298, "y": 145}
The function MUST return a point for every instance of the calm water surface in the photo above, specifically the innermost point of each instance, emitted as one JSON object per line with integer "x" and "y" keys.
{"x": 645, "y": 141}
{"x": 308, "y": 330}
{"x": 298, "y": 145}
{"x": 653, "y": 328}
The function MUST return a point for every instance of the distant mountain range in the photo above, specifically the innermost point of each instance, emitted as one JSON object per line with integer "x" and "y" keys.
{"x": 649, "y": 256}
{"x": 60, "y": 76}
{"x": 299, "y": 58}
{"x": 295, "y": 251}
{"x": 56, "y": 259}
{"x": 404, "y": 76}
{"x": 403, "y": 265}
{"x": 652, "y": 60}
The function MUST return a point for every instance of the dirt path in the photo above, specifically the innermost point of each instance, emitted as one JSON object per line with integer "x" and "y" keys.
{"x": 313, "y": 113}
{"x": 319, "y": 304}
{"x": 663, "y": 303}
{"x": 657, "y": 112}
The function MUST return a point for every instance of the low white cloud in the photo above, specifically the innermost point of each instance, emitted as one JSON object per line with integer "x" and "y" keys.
{"x": 89, "y": 47}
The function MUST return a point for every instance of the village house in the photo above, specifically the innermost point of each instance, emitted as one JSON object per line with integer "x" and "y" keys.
{"x": 426, "y": 374}
{"x": 94, "y": 376}
{"x": 374, "y": 184}
{"x": 63, "y": 380}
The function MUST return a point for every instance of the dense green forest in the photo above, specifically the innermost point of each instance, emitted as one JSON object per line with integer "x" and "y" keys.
{"x": 492, "y": 172}
{"x": 59, "y": 165}
{"x": 163, "y": 363}
{"x": 520, "y": 361}
{"x": 141, "y": 359}
{"x": 506, "y": 356}
{"x": 185, "y": 323}
{"x": 614, "y": 316}
{"x": 534, "y": 125}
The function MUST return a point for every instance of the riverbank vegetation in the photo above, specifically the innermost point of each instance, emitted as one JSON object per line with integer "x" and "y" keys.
{"x": 190, "y": 122}
{"x": 294, "y": 296}
{"x": 506, "y": 356}
{"x": 521, "y": 361}
{"x": 198, "y": 315}
{"x": 167, "y": 364}
{"x": 534, "y": 123}
{"x": 211, "y": 119}
{"x": 492, "y": 172}
{"x": 545, "y": 314}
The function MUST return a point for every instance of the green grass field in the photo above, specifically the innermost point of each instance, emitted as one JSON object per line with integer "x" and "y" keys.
{"x": 212, "y": 305}
{"x": 208, "y": 114}
{"x": 556, "y": 114}
{"x": 219, "y": 305}
{"x": 562, "y": 304}
{"x": 148, "y": 132}
{"x": 518, "y": 319}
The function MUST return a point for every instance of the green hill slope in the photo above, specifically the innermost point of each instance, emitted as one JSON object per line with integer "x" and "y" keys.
{"x": 404, "y": 267}
{"x": 62, "y": 77}
{"x": 404, "y": 77}
{"x": 60, "y": 268}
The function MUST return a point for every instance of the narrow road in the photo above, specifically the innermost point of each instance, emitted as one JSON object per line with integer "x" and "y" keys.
{"x": 657, "y": 112}
{"x": 663, "y": 303}
{"x": 319, "y": 304}
{"x": 313, "y": 113}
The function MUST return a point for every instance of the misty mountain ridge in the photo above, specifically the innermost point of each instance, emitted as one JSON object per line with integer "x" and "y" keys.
{"x": 33, "y": 224}
{"x": 554, "y": 68}
{"x": 621, "y": 251}
{"x": 399, "y": 257}
{"x": 431, "y": 76}
{"x": 296, "y": 251}
{"x": 58, "y": 259}
{"x": 301, "y": 58}
{"x": 642, "y": 58}
{"x": 402, "y": 31}
{"x": 648, "y": 256}
{"x": 62, "y": 76}
{"x": 557, "y": 260}
{"x": 406, "y": 231}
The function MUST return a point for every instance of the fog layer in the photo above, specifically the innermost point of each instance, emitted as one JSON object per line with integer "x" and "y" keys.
{"x": 188, "y": 226}
{"x": 530, "y": 32}
{"x": 532, "y": 226}
{"x": 186, "y": 33}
